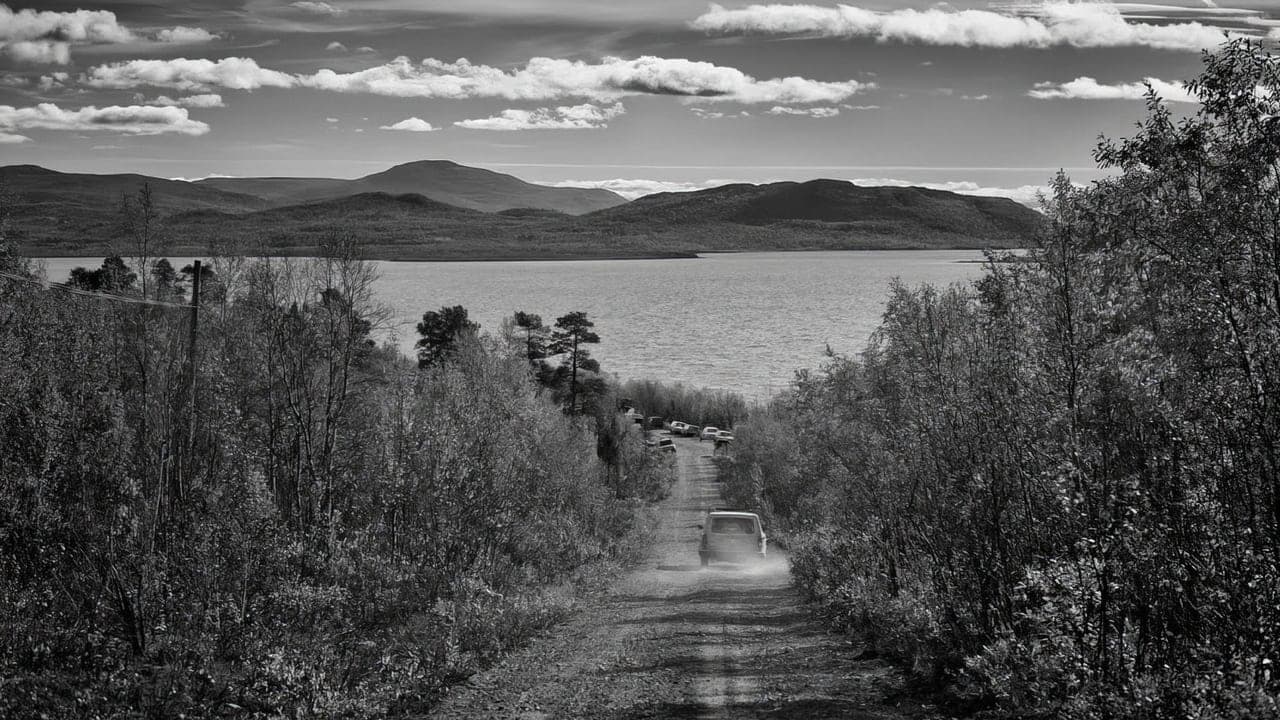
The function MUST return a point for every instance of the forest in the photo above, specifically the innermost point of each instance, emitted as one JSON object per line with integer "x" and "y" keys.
{"x": 257, "y": 510}
{"x": 1055, "y": 492}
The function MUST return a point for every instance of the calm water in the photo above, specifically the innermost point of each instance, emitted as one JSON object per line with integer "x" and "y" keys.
{"x": 741, "y": 321}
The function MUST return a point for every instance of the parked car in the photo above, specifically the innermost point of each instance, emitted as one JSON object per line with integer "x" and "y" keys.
{"x": 733, "y": 536}
{"x": 689, "y": 430}
{"x": 677, "y": 427}
{"x": 708, "y": 433}
{"x": 724, "y": 439}
{"x": 666, "y": 445}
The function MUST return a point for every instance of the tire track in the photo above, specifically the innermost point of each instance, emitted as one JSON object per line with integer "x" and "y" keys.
{"x": 672, "y": 640}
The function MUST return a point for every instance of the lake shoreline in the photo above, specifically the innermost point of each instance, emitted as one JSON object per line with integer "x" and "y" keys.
{"x": 183, "y": 251}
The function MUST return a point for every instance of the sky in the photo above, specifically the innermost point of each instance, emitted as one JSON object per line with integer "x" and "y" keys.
{"x": 638, "y": 96}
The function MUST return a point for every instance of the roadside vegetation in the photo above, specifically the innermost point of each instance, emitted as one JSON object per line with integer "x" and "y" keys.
{"x": 1056, "y": 492}
{"x": 309, "y": 525}
{"x": 675, "y": 401}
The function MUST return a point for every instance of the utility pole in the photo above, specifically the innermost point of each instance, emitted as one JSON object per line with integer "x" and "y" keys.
{"x": 191, "y": 369}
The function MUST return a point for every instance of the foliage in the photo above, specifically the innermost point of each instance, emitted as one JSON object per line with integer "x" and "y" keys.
{"x": 675, "y": 401}
{"x": 113, "y": 276}
{"x": 327, "y": 531}
{"x": 571, "y": 332}
{"x": 1056, "y": 491}
{"x": 441, "y": 332}
{"x": 535, "y": 335}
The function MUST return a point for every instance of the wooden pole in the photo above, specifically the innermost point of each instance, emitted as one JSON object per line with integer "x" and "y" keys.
{"x": 191, "y": 369}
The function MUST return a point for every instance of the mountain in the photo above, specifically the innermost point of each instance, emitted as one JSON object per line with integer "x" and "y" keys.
{"x": 74, "y": 192}
{"x": 76, "y": 214}
{"x": 834, "y": 205}
{"x": 441, "y": 180}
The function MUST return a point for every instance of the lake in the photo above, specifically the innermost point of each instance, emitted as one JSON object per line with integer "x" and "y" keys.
{"x": 739, "y": 321}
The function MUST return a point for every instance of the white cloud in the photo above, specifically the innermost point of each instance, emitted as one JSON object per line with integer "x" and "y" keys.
{"x": 331, "y": 120}
{"x": 413, "y": 124}
{"x": 185, "y": 36}
{"x": 191, "y": 101}
{"x": 1044, "y": 24}
{"x": 1274, "y": 34}
{"x": 576, "y": 117}
{"x": 232, "y": 73}
{"x": 12, "y": 139}
{"x": 813, "y": 112}
{"x": 46, "y": 36}
{"x": 335, "y": 46}
{"x": 53, "y": 80}
{"x": 548, "y": 78}
{"x": 1087, "y": 88}
{"x": 632, "y": 188}
{"x": 38, "y": 52}
{"x": 540, "y": 79}
{"x": 1024, "y": 194}
{"x": 79, "y": 26}
{"x": 210, "y": 176}
{"x": 131, "y": 119}
{"x": 705, "y": 114}
{"x": 318, "y": 8}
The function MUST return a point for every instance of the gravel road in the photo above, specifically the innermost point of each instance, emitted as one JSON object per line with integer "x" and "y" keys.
{"x": 672, "y": 640}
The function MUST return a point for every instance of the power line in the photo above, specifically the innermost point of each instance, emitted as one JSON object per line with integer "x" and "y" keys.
{"x": 67, "y": 288}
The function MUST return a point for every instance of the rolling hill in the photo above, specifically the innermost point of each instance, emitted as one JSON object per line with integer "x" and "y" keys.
{"x": 67, "y": 214}
{"x": 441, "y": 180}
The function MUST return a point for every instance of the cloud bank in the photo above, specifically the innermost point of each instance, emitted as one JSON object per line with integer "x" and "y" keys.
{"x": 46, "y": 37}
{"x": 813, "y": 112}
{"x": 1087, "y": 88}
{"x": 191, "y": 101}
{"x": 576, "y": 117}
{"x": 318, "y": 8}
{"x": 1046, "y": 24}
{"x": 541, "y": 79}
{"x": 232, "y": 73}
{"x": 130, "y": 120}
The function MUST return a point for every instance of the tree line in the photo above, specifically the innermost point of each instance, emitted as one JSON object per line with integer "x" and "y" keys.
{"x": 1055, "y": 492}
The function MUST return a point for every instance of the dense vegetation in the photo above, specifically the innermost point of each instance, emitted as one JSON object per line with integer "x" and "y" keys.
{"x": 1056, "y": 492}
{"x": 306, "y": 526}
{"x": 675, "y": 401}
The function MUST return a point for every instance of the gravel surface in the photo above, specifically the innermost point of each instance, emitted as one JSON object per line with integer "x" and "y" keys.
{"x": 673, "y": 640}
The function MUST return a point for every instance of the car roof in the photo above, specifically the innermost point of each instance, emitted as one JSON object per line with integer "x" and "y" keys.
{"x": 733, "y": 513}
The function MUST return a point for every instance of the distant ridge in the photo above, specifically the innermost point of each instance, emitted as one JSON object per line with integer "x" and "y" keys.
{"x": 442, "y": 180}
{"x": 836, "y": 204}
{"x": 77, "y": 214}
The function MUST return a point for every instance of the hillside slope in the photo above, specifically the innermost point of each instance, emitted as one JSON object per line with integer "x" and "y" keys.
{"x": 833, "y": 205}
{"x": 442, "y": 180}
{"x": 69, "y": 214}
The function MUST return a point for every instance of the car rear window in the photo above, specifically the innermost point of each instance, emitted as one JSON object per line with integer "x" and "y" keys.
{"x": 732, "y": 525}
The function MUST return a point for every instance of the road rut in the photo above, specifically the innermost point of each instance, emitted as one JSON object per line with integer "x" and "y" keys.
{"x": 673, "y": 640}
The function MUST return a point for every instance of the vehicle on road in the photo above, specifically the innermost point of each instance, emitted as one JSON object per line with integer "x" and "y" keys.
{"x": 724, "y": 439}
{"x": 677, "y": 427}
{"x": 732, "y": 535}
{"x": 666, "y": 445}
{"x": 708, "y": 433}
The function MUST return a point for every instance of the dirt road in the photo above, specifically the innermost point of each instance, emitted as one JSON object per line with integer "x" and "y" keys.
{"x": 672, "y": 640}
